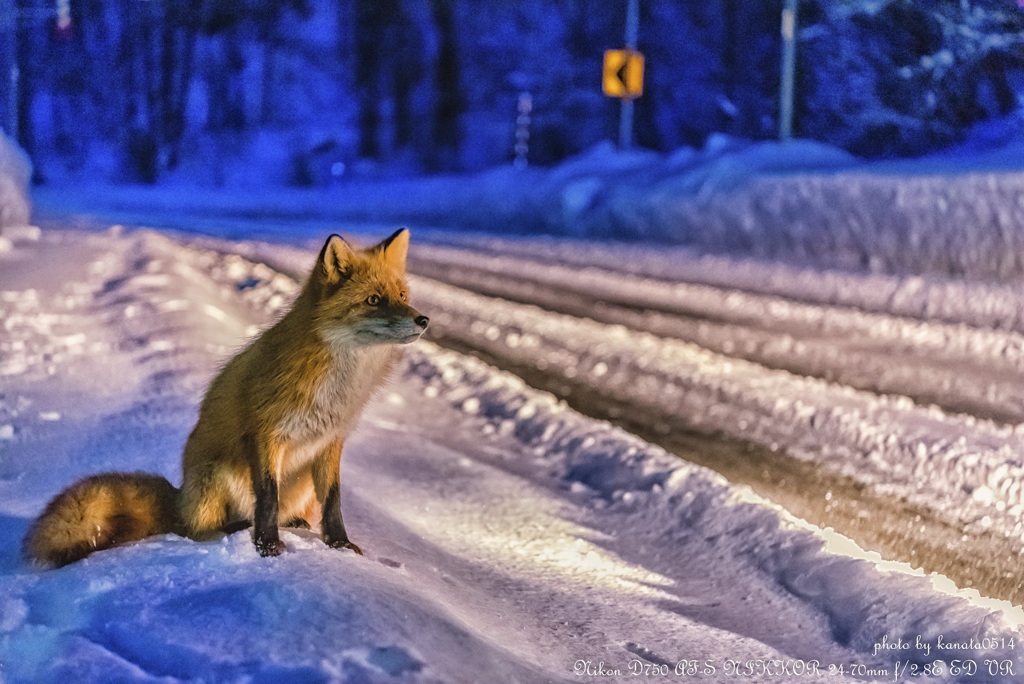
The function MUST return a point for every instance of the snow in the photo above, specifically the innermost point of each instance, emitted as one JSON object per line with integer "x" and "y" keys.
{"x": 918, "y": 453}
{"x": 968, "y": 469}
{"x": 15, "y": 171}
{"x": 907, "y": 443}
{"x": 507, "y": 537}
{"x": 800, "y": 202}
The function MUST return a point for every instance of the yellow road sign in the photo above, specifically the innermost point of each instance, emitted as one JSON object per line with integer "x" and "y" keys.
{"x": 623, "y": 74}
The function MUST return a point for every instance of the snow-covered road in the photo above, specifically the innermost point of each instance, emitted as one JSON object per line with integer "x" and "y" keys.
{"x": 961, "y": 368}
{"x": 706, "y": 356}
{"x": 508, "y": 538}
{"x": 870, "y": 415}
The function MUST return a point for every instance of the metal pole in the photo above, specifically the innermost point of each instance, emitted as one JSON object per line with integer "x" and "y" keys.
{"x": 789, "y": 18}
{"x": 626, "y": 113}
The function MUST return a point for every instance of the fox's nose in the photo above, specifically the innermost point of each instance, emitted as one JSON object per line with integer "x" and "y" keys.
{"x": 422, "y": 321}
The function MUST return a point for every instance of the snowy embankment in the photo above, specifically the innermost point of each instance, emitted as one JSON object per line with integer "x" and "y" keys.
{"x": 507, "y": 537}
{"x": 15, "y": 208}
{"x": 801, "y": 202}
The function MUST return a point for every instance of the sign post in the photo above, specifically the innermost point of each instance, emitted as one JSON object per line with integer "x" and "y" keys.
{"x": 624, "y": 74}
{"x": 788, "y": 70}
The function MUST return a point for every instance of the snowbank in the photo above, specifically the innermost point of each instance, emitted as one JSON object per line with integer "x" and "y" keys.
{"x": 15, "y": 208}
{"x": 800, "y": 201}
{"x": 15, "y": 174}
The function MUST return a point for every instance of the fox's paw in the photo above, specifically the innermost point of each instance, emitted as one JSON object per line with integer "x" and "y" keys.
{"x": 269, "y": 547}
{"x": 297, "y": 524}
{"x": 344, "y": 544}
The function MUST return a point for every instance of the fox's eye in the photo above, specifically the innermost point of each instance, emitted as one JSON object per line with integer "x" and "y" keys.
{"x": 373, "y": 300}
{"x": 403, "y": 295}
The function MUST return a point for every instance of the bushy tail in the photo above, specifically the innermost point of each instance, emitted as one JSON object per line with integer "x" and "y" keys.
{"x": 100, "y": 512}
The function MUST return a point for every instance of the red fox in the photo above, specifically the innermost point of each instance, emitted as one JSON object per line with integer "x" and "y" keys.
{"x": 266, "y": 449}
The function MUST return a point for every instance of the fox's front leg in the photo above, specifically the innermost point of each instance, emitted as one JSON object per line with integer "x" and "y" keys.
{"x": 263, "y": 461}
{"x": 327, "y": 483}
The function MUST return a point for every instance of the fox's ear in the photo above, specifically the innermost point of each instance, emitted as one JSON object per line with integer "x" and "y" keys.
{"x": 335, "y": 262}
{"x": 395, "y": 249}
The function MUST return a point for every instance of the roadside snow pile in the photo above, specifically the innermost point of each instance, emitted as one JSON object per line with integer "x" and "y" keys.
{"x": 15, "y": 208}
{"x": 799, "y": 201}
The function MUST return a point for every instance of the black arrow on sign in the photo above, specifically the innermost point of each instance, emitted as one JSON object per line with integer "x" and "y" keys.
{"x": 621, "y": 75}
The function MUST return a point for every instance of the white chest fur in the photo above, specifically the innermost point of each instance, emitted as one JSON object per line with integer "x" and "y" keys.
{"x": 337, "y": 401}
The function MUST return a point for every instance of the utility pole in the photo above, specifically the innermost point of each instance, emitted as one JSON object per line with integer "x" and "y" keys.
{"x": 626, "y": 113}
{"x": 786, "y": 88}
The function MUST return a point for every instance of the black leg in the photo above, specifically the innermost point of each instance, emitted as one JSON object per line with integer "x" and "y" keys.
{"x": 333, "y": 526}
{"x": 264, "y": 532}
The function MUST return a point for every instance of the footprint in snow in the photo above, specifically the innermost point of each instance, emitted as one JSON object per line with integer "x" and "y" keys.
{"x": 393, "y": 660}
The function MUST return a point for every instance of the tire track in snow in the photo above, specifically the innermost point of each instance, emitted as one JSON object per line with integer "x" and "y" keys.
{"x": 896, "y": 451}
{"x": 894, "y": 528}
{"x": 958, "y": 368}
{"x": 929, "y": 297}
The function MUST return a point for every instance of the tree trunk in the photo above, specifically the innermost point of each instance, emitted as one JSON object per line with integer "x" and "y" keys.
{"x": 448, "y": 105}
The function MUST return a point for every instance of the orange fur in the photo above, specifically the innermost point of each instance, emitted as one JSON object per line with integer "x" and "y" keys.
{"x": 102, "y": 511}
{"x": 267, "y": 445}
